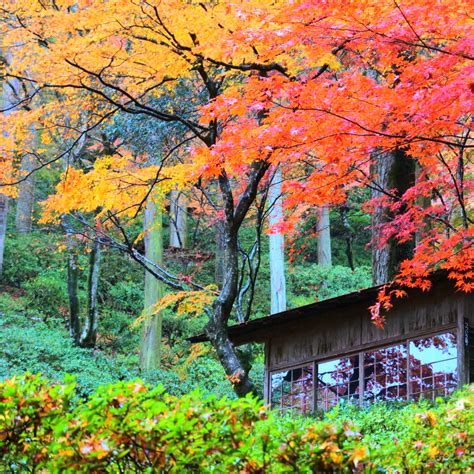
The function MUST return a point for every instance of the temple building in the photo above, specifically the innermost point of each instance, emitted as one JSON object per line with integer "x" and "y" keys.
{"x": 330, "y": 352}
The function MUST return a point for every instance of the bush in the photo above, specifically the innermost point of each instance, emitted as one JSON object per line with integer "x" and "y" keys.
{"x": 38, "y": 346}
{"x": 127, "y": 427}
{"x": 27, "y": 255}
{"x": 309, "y": 283}
{"x": 47, "y": 292}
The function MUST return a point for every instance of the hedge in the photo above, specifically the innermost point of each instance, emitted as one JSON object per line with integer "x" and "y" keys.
{"x": 128, "y": 427}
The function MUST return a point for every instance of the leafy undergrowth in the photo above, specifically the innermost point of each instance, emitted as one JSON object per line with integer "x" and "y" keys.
{"x": 127, "y": 427}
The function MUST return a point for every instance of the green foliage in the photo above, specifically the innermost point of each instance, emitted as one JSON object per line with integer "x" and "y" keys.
{"x": 127, "y": 427}
{"x": 409, "y": 437}
{"x": 126, "y": 296}
{"x": 309, "y": 283}
{"x": 26, "y": 256}
{"x": 45, "y": 346}
{"x": 47, "y": 292}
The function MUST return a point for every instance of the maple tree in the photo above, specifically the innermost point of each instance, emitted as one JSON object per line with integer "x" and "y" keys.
{"x": 321, "y": 90}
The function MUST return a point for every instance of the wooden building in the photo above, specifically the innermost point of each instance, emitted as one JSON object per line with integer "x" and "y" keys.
{"x": 330, "y": 351}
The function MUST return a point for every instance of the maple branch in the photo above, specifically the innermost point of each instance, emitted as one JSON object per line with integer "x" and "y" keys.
{"x": 143, "y": 108}
{"x": 422, "y": 43}
{"x": 406, "y": 139}
{"x": 248, "y": 196}
{"x": 127, "y": 247}
{"x": 69, "y": 150}
{"x": 246, "y": 67}
{"x": 252, "y": 259}
{"x": 334, "y": 51}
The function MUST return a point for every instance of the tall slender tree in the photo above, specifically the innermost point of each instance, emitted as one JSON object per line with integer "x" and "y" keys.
{"x": 323, "y": 229}
{"x": 150, "y": 346}
{"x": 277, "y": 245}
{"x": 3, "y": 226}
{"x": 178, "y": 220}
{"x": 26, "y": 194}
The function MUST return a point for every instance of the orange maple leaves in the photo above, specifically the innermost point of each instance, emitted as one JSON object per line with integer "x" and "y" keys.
{"x": 314, "y": 87}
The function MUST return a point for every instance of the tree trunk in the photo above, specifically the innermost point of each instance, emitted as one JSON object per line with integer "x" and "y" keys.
{"x": 382, "y": 169}
{"x": 394, "y": 172}
{"x": 348, "y": 235}
{"x": 323, "y": 230}
{"x": 72, "y": 285}
{"x": 219, "y": 260}
{"x": 26, "y": 196}
{"x": 72, "y": 280}
{"x": 3, "y": 227}
{"x": 89, "y": 331}
{"x": 277, "y": 247}
{"x": 216, "y": 327}
{"x": 178, "y": 220}
{"x": 150, "y": 347}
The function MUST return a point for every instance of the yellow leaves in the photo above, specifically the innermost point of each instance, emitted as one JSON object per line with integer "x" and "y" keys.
{"x": 183, "y": 302}
{"x": 358, "y": 454}
{"x": 331, "y": 61}
{"x": 116, "y": 183}
{"x": 428, "y": 418}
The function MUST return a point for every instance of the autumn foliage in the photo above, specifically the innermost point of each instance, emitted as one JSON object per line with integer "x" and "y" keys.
{"x": 322, "y": 90}
{"x": 128, "y": 427}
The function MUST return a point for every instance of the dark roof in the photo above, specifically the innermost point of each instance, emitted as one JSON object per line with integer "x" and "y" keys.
{"x": 247, "y": 332}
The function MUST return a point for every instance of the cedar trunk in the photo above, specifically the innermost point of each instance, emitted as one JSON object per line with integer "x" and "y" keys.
{"x": 393, "y": 172}
{"x": 89, "y": 331}
{"x": 3, "y": 226}
{"x": 26, "y": 196}
{"x": 150, "y": 347}
{"x": 277, "y": 246}
{"x": 178, "y": 221}
{"x": 323, "y": 230}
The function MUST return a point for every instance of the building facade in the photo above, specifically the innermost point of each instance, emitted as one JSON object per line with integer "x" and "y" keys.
{"x": 330, "y": 352}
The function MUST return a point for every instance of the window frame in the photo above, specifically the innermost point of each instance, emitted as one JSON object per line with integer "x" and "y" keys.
{"x": 360, "y": 353}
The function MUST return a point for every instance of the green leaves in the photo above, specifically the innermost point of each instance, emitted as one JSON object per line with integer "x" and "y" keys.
{"x": 128, "y": 427}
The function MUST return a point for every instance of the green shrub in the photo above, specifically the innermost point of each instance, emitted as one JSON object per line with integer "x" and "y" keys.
{"x": 27, "y": 255}
{"x": 47, "y": 292}
{"x": 126, "y": 296}
{"x": 309, "y": 283}
{"x": 31, "y": 344}
{"x": 127, "y": 427}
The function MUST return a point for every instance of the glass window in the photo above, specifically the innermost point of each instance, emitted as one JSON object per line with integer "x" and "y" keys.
{"x": 385, "y": 373}
{"x": 421, "y": 368}
{"x": 337, "y": 380}
{"x": 433, "y": 366}
{"x": 293, "y": 389}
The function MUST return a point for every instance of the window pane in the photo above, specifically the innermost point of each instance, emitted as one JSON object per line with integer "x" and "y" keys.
{"x": 338, "y": 380}
{"x": 293, "y": 389}
{"x": 433, "y": 366}
{"x": 385, "y": 374}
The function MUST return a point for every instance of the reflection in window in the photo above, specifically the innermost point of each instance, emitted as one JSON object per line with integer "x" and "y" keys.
{"x": 385, "y": 373}
{"x": 293, "y": 389}
{"x": 421, "y": 368}
{"x": 433, "y": 366}
{"x": 338, "y": 380}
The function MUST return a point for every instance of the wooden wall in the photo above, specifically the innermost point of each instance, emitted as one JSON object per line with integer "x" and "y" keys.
{"x": 349, "y": 329}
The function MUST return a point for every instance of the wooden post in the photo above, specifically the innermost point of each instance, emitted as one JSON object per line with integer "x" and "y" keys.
{"x": 462, "y": 339}
{"x": 361, "y": 378}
